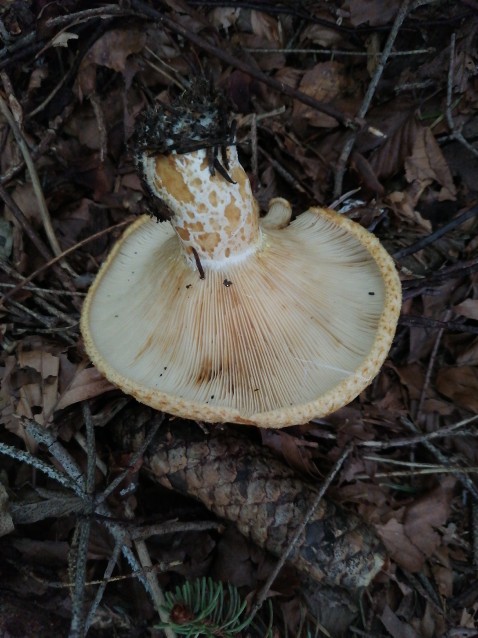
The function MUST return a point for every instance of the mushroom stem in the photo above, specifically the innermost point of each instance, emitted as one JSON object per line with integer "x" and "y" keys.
{"x": 216, "y": 221}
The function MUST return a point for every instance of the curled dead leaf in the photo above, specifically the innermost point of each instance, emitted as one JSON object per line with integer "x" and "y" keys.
{"x": 427, "y": 164}
{"x": 325, "y": 82}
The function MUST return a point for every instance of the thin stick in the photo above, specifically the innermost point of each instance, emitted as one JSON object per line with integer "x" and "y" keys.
{"x": 334, "y": 52}
{"x": 449, "y": 430}
{"x": 457, "y": 135}
{"x": 48, "y": 470}
{"x": 223, "y": 55}
{"x": 54, "y": 260}
{"x": 91, "y": 448}
{"x": 154, "y": 426}
{"x": 49, "y": 291}
{"x": 430, "y": 367}
{"x": 426, "y": 322}
{"x": 158, "y": 595}
{"x": 161, "y": 529}
{"x": 461, "y": 476}
{"x": 40, "y": 197}
{"x": 79, "y": 558}
{"x": 113, "y": 559}
{"x": 299, "y": 531}
{"x": 372, "y": 87}
{"x": 35, "y": 239}
{"x": 430, "y": 239}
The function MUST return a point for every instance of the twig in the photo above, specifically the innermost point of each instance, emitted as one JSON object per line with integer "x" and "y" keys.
{"x": 78, "y": 621}
{"x": 223, "y": 55}
{"x": 46, "y": 321}
{"x": 40, "y": 197}
{"x": 35, "y": 239}
{"x": 160, "y": 529}
{"x": 155, "y": 424}
{"x": 45, "y": 437}
{"x": 430, "y": 367}
{"x": 457, "y": 135}
{"x": 113, "y": 559}
{"x": 79, "y": 557}
{"x": 464, "y": 480}
{"x": 158, "y": 595}
{"x": 426, "y": 322}
{"x": 254, "y": 162}
{"x": 414, "y": 287}
{"x": 300, "y": 529}
{"x": 29, "y": 459}
{"x": 54, "y": 260}
{"x": 423, "y": 471}
{"x": 42, "y": 293}
{"x": 30, "y": 44}
{"x": 474, "y": 533}
{"x": 91, "y": 448}
{"x": 100, "y": 122}
{"x": 283, "y": 172}
{"x": 334, "y": 52}
{"x": 49, "y": 291}
{"x": 352, "y": 136}
{"x": 430, "y": 239}
{"x": 449, "y": 430}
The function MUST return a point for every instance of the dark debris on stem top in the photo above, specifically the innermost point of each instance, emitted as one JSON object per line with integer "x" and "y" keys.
{"x": 198, "y": 118}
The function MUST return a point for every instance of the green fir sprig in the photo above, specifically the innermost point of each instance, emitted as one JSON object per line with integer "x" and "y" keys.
{"x": 205, "y": 608}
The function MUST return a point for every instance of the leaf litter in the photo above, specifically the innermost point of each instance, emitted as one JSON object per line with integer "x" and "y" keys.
{"x": 74, "y": 79}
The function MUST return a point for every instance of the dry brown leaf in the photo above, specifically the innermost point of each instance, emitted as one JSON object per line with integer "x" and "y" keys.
{"x": 468, "y": 308}
{"x": 399, "y": 546}
{"x": 266, "y": 27}
{"x": 296, "y": 452}
{"x": 413, "y": 538}
{"x": 427, "y": 164}
{"x": 6, "y": 522}
{"x": 375, "y": 12}
{"x": 224, "y": 17}
{"x": 86, "y": 384}
{"x": 325, "y": 82}
{"x": 443, "y": 572}
{"x": 38, "y": 399}
{"x": 426, "y": 514}
{"x": 112, "y": 51}
{"x": 321, "y": 35}
{"x": 460, "y": 384}
{"x": 403, "y": 203}
{"x": 469, "y": 356}
{"x": 399, "y": 125}
{"x": 396, "y": 627}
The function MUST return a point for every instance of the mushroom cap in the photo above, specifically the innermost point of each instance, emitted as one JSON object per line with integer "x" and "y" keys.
{"x": 295, "y": 331}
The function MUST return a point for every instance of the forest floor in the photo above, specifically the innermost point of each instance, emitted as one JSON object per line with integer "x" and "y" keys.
{"x": 366, "y": 106}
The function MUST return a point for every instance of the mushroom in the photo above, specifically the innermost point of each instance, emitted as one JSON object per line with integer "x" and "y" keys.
{"x": 220, "y": 316}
